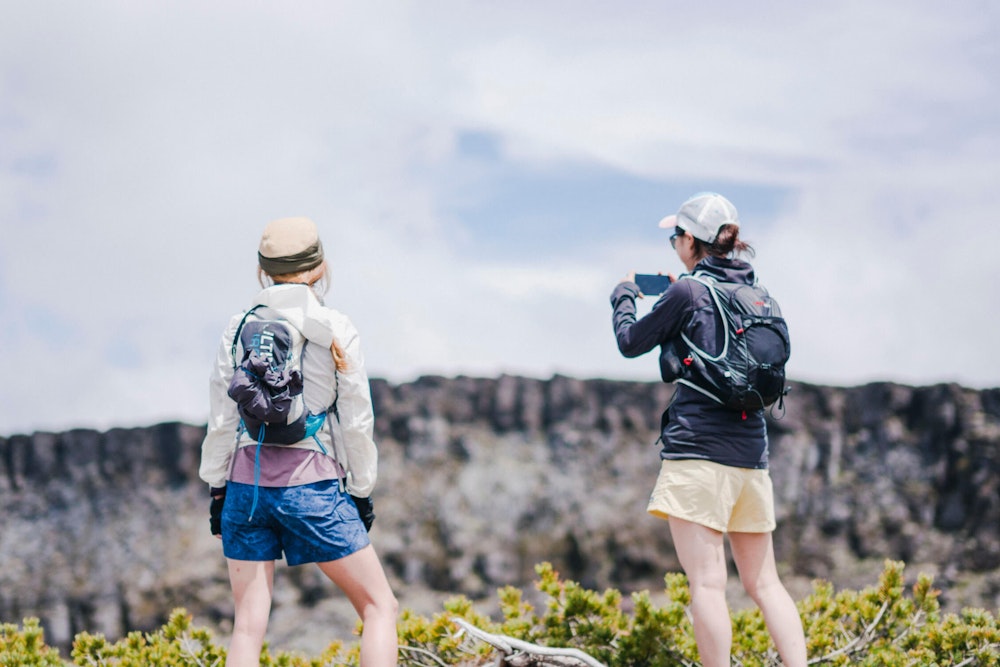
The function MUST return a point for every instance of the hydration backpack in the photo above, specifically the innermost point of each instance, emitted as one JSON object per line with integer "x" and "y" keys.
{"x": 749, "y": 372}
{"x": 267, "y": 382}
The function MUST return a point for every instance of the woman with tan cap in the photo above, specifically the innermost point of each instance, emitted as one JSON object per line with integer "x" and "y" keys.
{"x": 298, "y": 487}
{"x": 713, "y": 479}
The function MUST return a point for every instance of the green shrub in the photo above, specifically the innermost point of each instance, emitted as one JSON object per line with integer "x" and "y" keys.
{"x": 885, "y": 625}
{"x": 177, "y": 644}
{"x": 26, "y": 646}
{"x": 881, "y": 625}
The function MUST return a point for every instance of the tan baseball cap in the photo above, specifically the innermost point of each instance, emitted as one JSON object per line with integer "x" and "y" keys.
{"x": 290, "y": 245}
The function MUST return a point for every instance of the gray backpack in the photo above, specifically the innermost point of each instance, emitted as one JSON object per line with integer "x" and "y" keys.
{"x": 267, "y": 382}
{"x": 749, "y": 372}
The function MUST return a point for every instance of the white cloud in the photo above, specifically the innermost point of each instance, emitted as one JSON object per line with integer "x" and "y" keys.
{"x": 888, "y": 283}
{"x": 143, "y": 147}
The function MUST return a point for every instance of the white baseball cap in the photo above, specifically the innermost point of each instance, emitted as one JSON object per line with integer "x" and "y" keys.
{"x": 703, "y": 215}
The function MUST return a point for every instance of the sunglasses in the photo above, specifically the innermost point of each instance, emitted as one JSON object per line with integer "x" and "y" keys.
{"x": 673, "y": 237}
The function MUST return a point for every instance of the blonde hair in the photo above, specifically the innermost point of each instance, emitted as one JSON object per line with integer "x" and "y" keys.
{"x": 316, "y": 278}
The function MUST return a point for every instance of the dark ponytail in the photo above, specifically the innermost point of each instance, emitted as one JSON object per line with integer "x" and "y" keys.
{"x": 727, "y": 243}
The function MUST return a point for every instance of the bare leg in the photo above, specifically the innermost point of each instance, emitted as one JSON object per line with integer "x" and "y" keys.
{"x": 702, "y": 555}
{"x": 252, "y": 583}
{"x": 754, "y": 556}
{"x": 362, "y": 579}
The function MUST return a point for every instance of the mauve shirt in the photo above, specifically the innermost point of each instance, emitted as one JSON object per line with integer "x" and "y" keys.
{"x": 284, "y": 466}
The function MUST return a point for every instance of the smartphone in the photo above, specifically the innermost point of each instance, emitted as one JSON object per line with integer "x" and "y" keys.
{"x": 651, "y": 285}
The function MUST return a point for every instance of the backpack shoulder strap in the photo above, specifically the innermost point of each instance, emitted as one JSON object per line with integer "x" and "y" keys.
{"x": 701, "y": 276}
{"x": 239, "y": 330}
{"x": 709, "y": 282}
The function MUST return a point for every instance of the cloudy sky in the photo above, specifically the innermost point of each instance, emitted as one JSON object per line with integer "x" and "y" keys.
{"x": 483, "y": 173}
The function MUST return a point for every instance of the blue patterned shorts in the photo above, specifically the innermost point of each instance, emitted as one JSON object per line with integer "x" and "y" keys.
{"x": 311, "y": 523}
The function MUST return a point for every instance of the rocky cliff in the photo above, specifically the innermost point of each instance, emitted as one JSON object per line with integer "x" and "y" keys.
{"x": 482, "y": 478}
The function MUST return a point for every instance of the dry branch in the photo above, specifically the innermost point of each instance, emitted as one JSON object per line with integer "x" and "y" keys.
{"x": 519, "y": 653}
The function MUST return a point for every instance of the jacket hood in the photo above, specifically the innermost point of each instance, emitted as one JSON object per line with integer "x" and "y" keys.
{"x": 300, "y": 306}
{"x": 727, "y": 270}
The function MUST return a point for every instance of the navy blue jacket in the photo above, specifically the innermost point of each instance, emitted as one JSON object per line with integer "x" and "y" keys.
{"x": 693, "y": 426}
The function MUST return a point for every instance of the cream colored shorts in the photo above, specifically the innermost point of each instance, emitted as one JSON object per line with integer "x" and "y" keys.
{"x": 724, "y": 498}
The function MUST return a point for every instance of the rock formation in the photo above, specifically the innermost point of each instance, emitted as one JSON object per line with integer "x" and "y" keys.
{"x": 482, "y": 478}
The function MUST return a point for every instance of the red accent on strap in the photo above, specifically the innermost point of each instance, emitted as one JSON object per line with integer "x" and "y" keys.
{"x": 740, "y": 330}
{"x": 688, "y": 361}
{"x": 744, "y": 415}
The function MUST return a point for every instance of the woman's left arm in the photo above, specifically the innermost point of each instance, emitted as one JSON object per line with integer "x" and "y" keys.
{"x": 223, "y": 420}
{"x": 638, "y": 336}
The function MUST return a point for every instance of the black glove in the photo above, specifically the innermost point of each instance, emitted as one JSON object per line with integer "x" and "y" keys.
{"x": 366, "y": 510}
{"x": 215, "y": 513}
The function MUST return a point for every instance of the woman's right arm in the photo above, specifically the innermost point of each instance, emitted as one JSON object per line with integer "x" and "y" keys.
{"x": 223, "y": 419}
{"x": 357, "y": 418}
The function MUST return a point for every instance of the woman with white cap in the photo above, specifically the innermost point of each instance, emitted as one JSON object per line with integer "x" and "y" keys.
{"x": 713, "y": 479}
{"x": 304, "y": 496}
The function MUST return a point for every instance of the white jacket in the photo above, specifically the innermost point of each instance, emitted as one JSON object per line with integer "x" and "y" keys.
{"x": 350, "y": 440}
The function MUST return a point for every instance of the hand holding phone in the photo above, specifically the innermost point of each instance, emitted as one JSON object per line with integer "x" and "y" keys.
{"x": 652, "y": 284}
